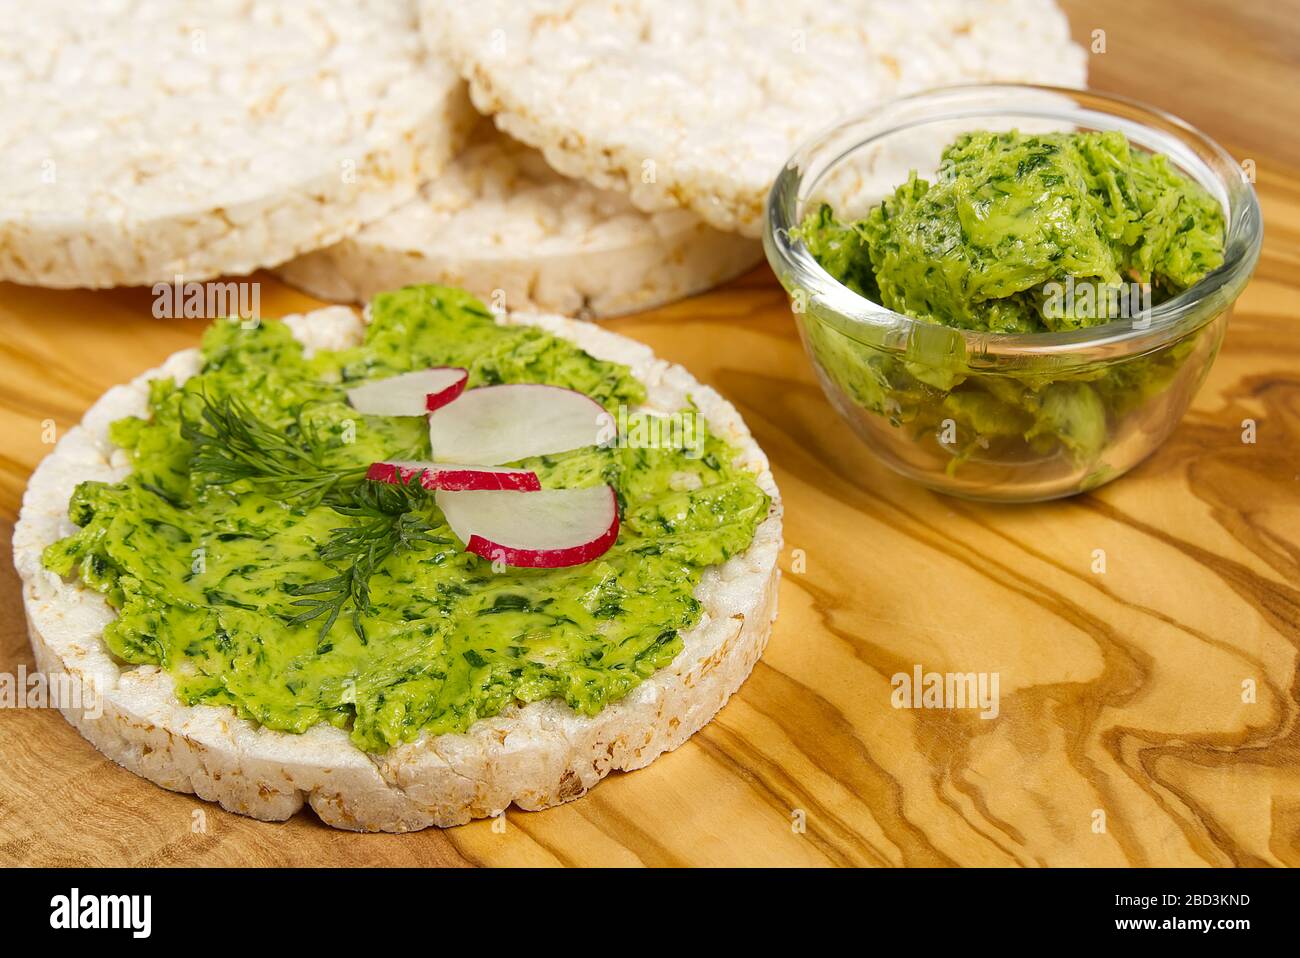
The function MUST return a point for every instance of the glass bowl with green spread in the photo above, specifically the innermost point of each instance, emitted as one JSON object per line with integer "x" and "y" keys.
{"x": 1011, "y": 292}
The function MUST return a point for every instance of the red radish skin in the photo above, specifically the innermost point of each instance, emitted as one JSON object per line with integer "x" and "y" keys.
{"x": 436, "y": 400}
{"x": 514, "y": 516}
{"x": 409, "y": 394}
{"x": 434, "y": 476}
{"x": 545, "y": 559}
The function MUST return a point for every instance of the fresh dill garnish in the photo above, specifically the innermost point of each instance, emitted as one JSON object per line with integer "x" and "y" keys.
{"x": 231, "y": 444}
{"x": 391, "y": 523}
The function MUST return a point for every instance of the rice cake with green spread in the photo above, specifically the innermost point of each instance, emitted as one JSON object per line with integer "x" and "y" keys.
{"x": 156, "y": 138}
{"x": 504, "y": 225}
{"x": 175, "y": 594}
{"x": 698, "y": 105}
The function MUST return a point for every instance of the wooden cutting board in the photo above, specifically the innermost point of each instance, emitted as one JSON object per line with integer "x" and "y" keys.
{"x": 1123, "y": 737}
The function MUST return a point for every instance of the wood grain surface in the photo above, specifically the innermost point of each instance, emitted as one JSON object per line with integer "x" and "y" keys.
{"x": 1121, "y": 692}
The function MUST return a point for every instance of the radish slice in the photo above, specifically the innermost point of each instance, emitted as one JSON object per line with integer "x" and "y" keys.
{"x": 496, "y": 424}
{"x": 536, "y": 530}
{"x": 410, "y": 394}
{"x": 433, "y": 475}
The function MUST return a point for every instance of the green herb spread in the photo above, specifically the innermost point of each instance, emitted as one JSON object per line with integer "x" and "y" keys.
{"x": 1019, "y": 233}
{"x": 247, "y": 555}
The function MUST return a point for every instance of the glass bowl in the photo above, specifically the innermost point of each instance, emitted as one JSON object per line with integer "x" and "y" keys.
{"x": 939, "y": 404}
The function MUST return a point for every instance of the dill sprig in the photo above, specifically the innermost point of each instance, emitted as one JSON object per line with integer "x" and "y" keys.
{"x": 391, "y": 524}
{"x": 231, "y": 444}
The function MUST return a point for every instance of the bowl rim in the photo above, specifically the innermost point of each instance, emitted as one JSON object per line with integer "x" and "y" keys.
{"x": 1181, "y": 314}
